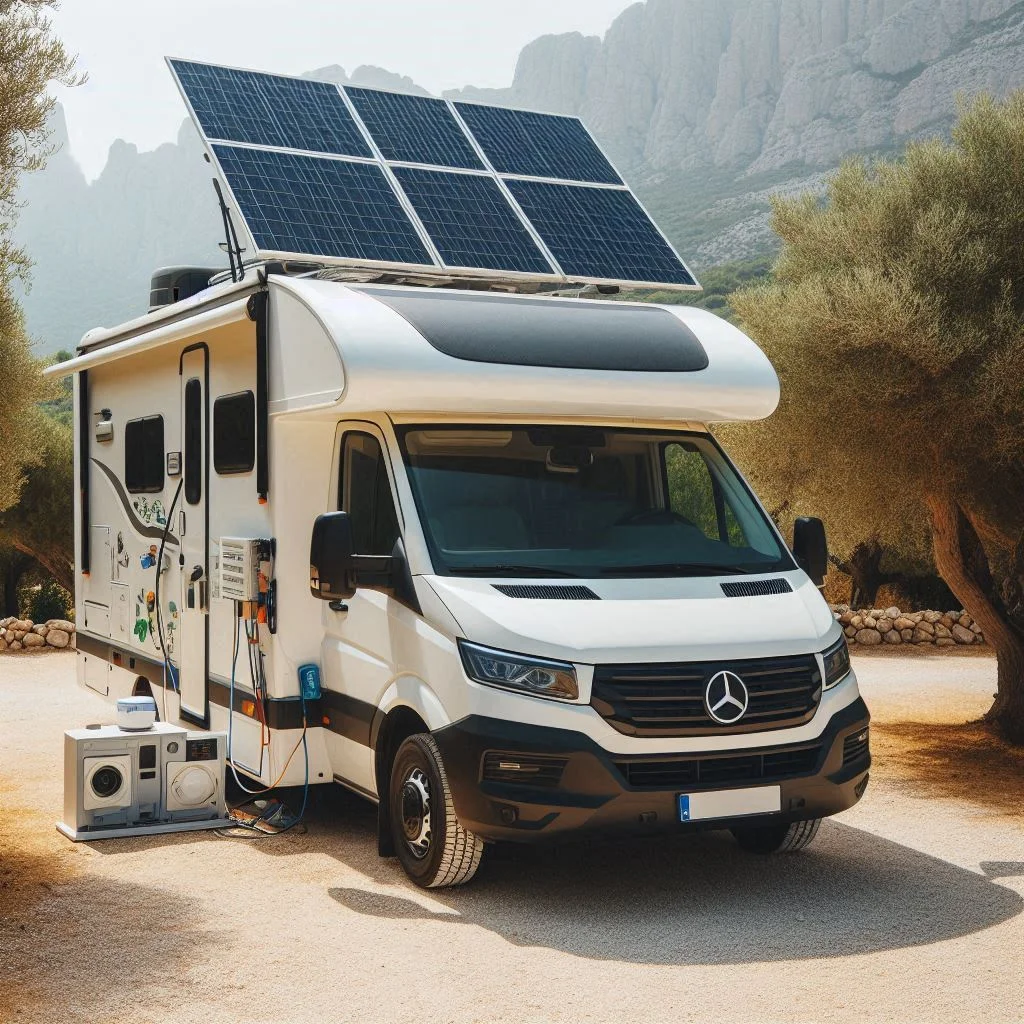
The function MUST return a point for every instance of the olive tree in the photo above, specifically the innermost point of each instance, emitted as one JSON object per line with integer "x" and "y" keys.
{"x": 30, "y": 59}
{"x": 895, "y": 317}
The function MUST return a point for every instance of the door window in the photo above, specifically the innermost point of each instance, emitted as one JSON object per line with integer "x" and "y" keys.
{"x": 193, "y": 441}
{"x": 365, "y": 494}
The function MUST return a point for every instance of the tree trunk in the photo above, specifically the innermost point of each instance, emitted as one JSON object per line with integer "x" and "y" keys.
{"x": 54, "y": 563}
{"x": 13, "y": 569}
{"x": 963, "y": 564}
{"x": 864, "y": 569}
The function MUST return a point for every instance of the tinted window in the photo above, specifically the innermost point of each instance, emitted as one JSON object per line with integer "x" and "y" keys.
{"x": 144, "y": 455}
{"x": 589, "y": 502}
{"x": 366, "y": 496}
{"x": 234, "y": 433}
{"x": 193, "y": 441}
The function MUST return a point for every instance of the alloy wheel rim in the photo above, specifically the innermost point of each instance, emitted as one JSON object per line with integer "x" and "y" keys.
{"x": 416, "y": 813}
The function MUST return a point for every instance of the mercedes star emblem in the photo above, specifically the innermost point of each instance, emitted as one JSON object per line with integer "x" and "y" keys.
{"x": 726, "y": 698}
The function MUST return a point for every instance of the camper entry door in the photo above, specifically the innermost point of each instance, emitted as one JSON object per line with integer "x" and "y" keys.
{"x": 193, "y": 661}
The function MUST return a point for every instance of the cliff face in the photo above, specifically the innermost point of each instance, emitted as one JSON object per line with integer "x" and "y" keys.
{"x": 707, "y": 106}
{"x": 763, "y": 85}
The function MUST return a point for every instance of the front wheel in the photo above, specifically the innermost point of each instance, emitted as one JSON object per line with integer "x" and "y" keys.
{"x": 433, "y": 848}
{"x": 784, "y": 838}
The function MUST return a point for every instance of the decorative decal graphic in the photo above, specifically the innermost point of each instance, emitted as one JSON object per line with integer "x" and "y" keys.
{"x": 122, "y": 555}
{"x": 145, "y": 617}
{"x": 170, "y": 626}
{"x": 148, "y": 559}
{"x": 141, "y": 528}
{"x": 150, "y": 511}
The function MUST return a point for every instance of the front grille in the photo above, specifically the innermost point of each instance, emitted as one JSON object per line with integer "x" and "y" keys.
{"x": 757, "y": 588}
{"x": 668, "y": 700}
{"x": 855, "y": 747}
{"x": 709, "y": 771}
{"x": 526, "y": 769}
{"x": 543, "y": 592}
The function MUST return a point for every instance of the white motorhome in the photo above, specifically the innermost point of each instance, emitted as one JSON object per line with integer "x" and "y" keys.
{"x": 384, "y": 494}
{"x": 542, "y": 601}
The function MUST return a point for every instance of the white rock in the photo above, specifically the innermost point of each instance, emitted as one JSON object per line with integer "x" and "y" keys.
{"x": 58, "y": 638}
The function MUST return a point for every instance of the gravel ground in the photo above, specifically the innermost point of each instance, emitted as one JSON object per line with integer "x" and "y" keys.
{"x": 908, "y": 908}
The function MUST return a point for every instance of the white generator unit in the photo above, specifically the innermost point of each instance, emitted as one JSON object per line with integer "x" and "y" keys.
{"x": 123, "y": 782}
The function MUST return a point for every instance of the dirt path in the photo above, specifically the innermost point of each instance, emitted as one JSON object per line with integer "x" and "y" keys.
{"x": 908, "y": 908}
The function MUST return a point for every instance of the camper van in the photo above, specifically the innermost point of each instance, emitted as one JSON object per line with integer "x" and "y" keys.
{"x": 411, "y": 500}
{"x": 480, "y": 551}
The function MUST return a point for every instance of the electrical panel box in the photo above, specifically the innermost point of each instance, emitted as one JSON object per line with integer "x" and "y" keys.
{"x": 239, "y": 568}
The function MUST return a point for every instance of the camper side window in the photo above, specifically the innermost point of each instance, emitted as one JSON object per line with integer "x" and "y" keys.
{"x": 234, "y": 433}
{"x": 365, "y": 494}
{"x": 144, "y": 455}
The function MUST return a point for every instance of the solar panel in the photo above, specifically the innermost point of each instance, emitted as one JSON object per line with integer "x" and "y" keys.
{"x": 414, "y": 129}
{"x": 320, "y": 206}
{"x": 537, "y": 145}
{"x": 270, "y": 110}
{"x": 352, "y": 176}
{"x": 599, "y": 233}
{"x": 470, "y": 221}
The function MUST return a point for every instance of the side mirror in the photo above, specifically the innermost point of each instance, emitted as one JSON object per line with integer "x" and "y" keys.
{"x": 331, "y": 559}
{"x": 810, "y": 548}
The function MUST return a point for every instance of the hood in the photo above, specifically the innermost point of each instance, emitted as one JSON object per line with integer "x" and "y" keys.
{"x": 640, "y": 620}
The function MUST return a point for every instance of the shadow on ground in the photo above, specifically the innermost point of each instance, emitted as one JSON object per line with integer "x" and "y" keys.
{"x": 961, "y": 762}
{"x": 62, "y": 929}
{"x": 682, "y": 900}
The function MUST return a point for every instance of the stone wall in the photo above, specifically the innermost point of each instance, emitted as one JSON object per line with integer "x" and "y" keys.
{"x": 25, "y": 635}
{"x": 871, "y": 627}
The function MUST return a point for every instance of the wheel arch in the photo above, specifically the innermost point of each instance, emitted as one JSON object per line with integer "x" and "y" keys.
{"x": 391, "y": 730}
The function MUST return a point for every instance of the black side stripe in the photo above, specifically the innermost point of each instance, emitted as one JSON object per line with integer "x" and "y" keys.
{"x": 84, "y": 425}
{"x": 154, "y": 532}
{"x": 347, "y": 716}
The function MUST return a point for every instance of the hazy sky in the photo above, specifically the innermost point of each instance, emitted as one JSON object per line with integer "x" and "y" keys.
{"x": 441, "y": 44}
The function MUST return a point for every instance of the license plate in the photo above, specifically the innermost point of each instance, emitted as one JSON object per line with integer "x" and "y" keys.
{"x": 730, "y": 803}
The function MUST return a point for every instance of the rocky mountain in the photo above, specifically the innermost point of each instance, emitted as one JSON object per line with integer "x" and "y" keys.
{"x": 707, "y": 106}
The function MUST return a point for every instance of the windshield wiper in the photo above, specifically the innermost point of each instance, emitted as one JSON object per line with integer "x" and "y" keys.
{"x": 518, "y": 570}
{"x": 676, "y": 569}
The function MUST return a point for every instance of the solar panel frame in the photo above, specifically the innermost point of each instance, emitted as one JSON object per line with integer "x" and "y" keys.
{"x": 445, "y": 200}
{"x": 437, "y": 267}
{"x": 370, "y": 107}
{"x": 578, "y": 193}
{"x": 493, "y": 143}
{"x": 280, "y": 123}
{"x": 313, "y": 173}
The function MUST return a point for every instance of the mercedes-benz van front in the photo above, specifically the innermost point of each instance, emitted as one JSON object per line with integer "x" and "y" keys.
{"x": 619, "y": 641}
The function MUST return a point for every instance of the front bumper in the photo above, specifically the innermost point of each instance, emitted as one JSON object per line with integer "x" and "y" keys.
{"x": 592, "y": 794}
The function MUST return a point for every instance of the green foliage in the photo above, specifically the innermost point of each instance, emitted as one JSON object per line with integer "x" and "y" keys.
{"x": 30, "y": 58}
{"x": 61, "y": 406}
{"x": 40, "y": 524}
{"x": 895, "y": 319}
{"x": 48, "y": 600}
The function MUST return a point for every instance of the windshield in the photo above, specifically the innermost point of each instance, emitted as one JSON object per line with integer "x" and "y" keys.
{"x": 584, "y": 502}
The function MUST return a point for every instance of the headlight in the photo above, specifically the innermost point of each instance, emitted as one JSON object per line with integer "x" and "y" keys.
{"x": 514, "y": 672}
{"x": 837, "y": 662}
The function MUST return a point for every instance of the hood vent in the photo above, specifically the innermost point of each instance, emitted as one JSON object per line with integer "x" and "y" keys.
{"x": 757, "y": 588}
{"x": 541, "y": 592}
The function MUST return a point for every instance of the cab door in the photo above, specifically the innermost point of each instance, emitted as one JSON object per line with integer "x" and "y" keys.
{"x": 359, "y": 660}
{"x": 194, "y": 521}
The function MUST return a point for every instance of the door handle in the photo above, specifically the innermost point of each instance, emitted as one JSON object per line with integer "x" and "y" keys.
{"x": 338, "y": 606}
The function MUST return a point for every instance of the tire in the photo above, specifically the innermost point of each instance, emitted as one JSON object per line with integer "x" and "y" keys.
{"x": 433, "y": 848}
{"x": 784, "y": 838}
